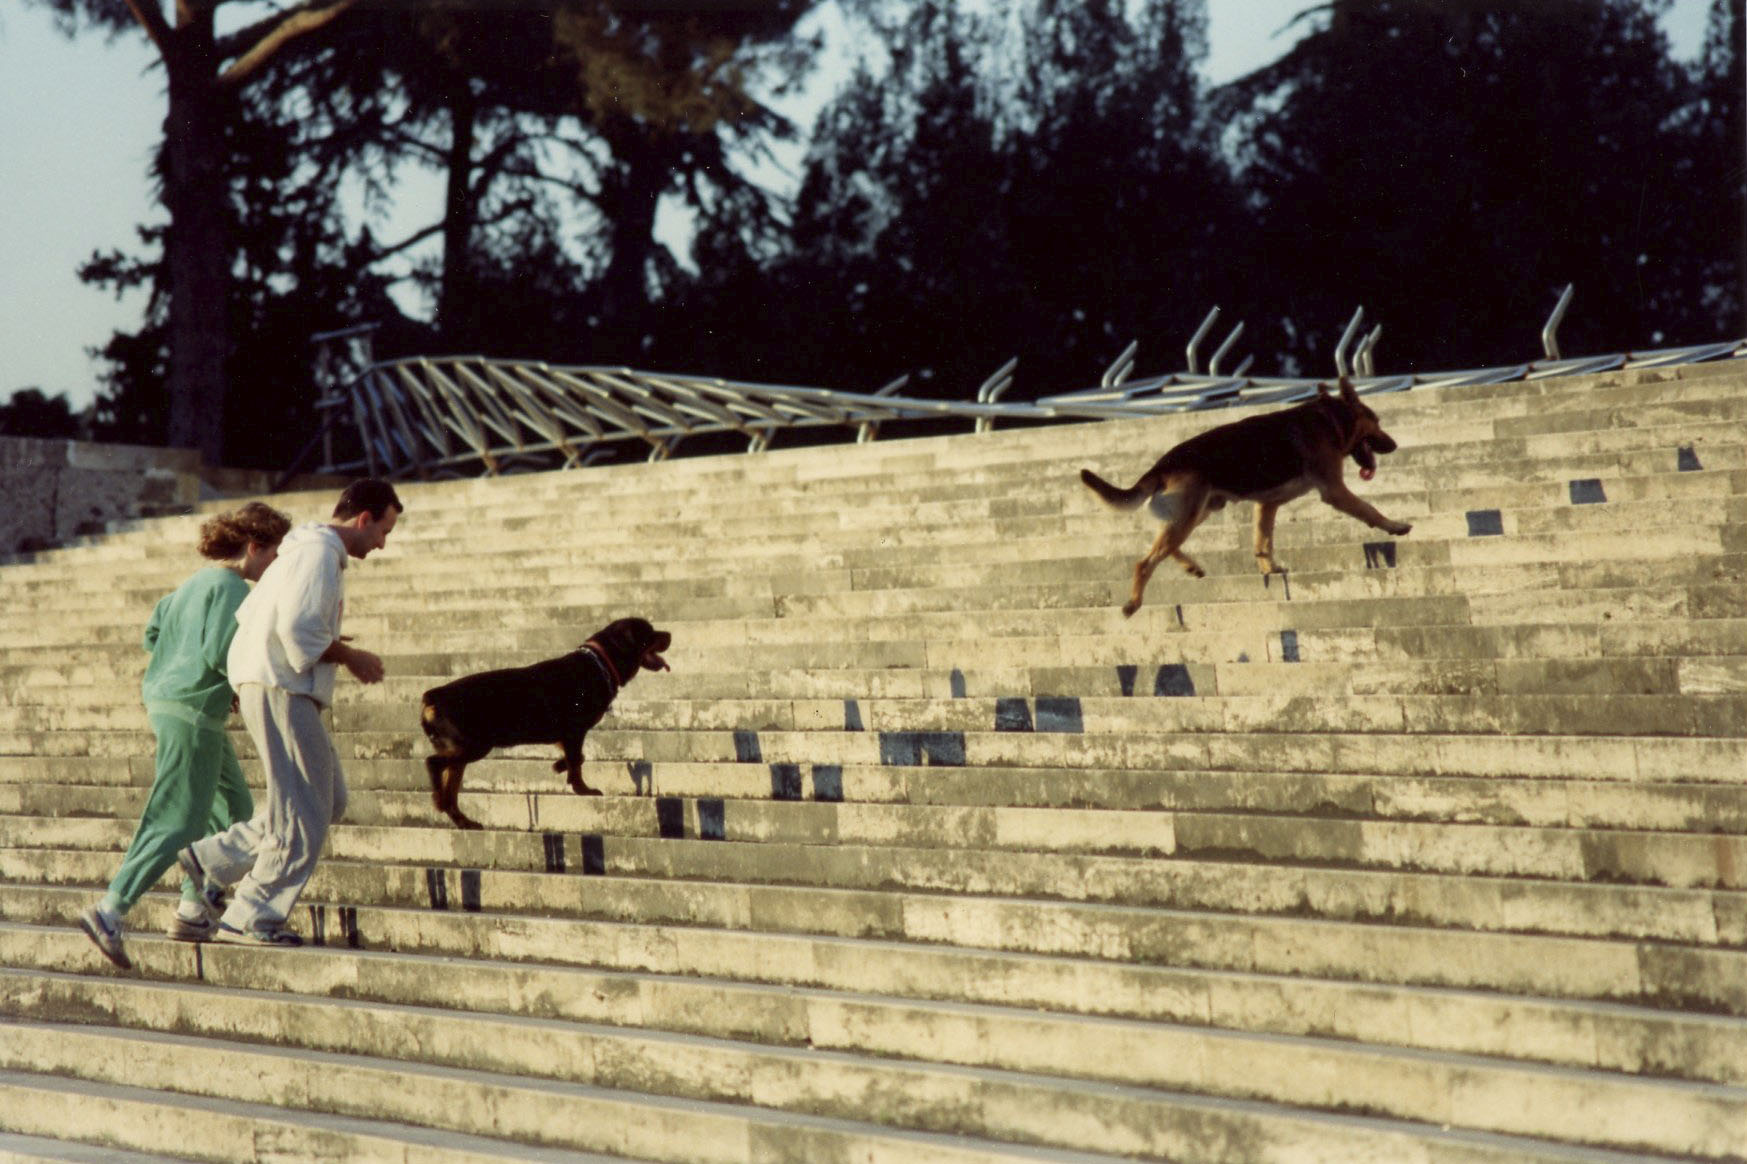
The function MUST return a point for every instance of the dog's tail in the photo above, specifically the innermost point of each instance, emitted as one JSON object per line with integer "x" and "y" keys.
{"x": 1131, "y": 498}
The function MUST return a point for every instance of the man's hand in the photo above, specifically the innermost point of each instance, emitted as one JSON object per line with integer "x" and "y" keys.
{"x": 364, "y": 666}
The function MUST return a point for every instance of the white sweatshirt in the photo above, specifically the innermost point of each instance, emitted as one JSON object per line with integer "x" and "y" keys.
{"x": 292, "y": 616}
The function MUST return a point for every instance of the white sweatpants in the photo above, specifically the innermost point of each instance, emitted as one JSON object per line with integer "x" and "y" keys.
{"x": 270, "y": 857}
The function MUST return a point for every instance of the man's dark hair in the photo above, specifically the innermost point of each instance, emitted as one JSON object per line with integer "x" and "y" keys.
{"x": 371, "y": 495}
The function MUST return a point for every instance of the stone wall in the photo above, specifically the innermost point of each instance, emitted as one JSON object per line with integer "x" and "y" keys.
{"x": 52, "y": 491}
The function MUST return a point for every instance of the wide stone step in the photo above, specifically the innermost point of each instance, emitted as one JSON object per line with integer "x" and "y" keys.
{"x": 988, "y": 949}
{"x": 1698, "y": 916}
{"x": 802, "y": 990}
{"x": 1691, "y": 859}
{"x": 525, "y": 793}
{"x": 132, "y": 1125}
{"x": 972, "y": 1072}
{"x": 554, "y": 1112}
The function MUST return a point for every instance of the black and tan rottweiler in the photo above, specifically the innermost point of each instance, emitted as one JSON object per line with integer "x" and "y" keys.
{"x": 1269, "y": 459}
{"x": 553, "y": 702}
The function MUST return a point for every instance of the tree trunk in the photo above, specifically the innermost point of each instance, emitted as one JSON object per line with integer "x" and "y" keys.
{"x": 453, "y": 317}
{"x": 632, "y": 196}
{"x": 197, "y": 247}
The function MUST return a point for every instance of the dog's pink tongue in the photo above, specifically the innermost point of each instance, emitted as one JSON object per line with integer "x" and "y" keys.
{"x": 1367, "y": 474}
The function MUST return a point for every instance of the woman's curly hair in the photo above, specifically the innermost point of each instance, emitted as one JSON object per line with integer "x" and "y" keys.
{"x": 225, "y": 536}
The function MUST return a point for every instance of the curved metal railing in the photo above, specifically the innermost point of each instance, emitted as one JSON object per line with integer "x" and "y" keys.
{"x": 453, "y": 416}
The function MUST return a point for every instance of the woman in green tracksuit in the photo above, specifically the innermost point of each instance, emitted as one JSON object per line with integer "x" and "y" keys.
{"x": 199, "y": 786}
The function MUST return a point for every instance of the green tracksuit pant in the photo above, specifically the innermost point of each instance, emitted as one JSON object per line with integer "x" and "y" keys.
{"x": 198, "y": 790}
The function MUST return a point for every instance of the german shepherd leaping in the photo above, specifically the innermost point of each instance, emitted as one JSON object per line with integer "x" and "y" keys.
{"x": 1269, "y": 459}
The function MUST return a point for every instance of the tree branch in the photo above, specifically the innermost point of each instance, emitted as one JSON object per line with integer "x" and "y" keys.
{"x": 275, "y": 35}
{"x": 152, "y": 20}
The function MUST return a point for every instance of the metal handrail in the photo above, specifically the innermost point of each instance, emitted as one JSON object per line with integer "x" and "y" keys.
{"x": 452, "y": 416}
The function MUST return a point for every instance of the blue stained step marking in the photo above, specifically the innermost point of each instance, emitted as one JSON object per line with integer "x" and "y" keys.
{"x": 670, "y": 817}
{"x": 828, "y": 782}
{"x": 594, "y": 854}
{"x": 957, "y": 681}
{"x": 1125, "y": 675}
{"x": 470, "y": 890}
{"x": 436, "y": 888}
{"x": 1379, "y": 554}
{"x": 1012, "y": 715}
{"x": 642, "y": 775}
{"x": 1688, "y": 460}
{"x": 349, "y": 927}
{"x": 1059, "y": 713}
{"x": 1173, "y": 679}
{"x": 852, "y": 716}
{"x": 934, "y": 749}
{"x": 1483, "y": 523}
{"x": 712, "y": 818}
{"x": 1289, "y": 646}
{"x": 785, "y": 782}
{"x": 746, "y": 749}
{"x": 554, "y": 852}
{"x": 1587, "y": 491}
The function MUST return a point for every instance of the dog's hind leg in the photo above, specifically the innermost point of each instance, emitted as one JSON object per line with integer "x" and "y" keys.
{"x": 1265, "y": 562}
{"x": 434, "y": 769}
{"x": 572, "y": 764}
{"x": 1191, "y": 506}
{"x": 453, "y": 767}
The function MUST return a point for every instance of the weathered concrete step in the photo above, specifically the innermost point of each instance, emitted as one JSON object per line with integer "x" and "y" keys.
{"x": 952, "y": 761}
{"x": 985, "y": 949}
{"x": 122, "y": 1124}
{"x": 22, "y": 1149}
{"x": 1154, "y": 640}
{"x": 558, "y": 1113}
{"x": 697, "y": 535}
{"x": 979, "y": 1072}
{"x": 985, "y": 508}
{"x": 1705, "y": 917}
{"x": 1712, "y": 583}
{"x": 1050, "y": 560}
{"x": 525, "y": 793}
{"x": 1486, "y": 677}
{"x": 1513, "y": 713}
{"x": 1630, "y": 856}
{"x": 771, "y": 998}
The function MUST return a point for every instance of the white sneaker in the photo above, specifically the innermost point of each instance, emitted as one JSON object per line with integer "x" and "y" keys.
{"x": 105, "y": 934}
{"x": 192, "y": 929}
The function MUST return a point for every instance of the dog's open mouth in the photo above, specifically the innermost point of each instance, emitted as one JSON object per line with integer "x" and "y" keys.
{"x": 1365, "y": 459}
{"x": 652, "y": 660}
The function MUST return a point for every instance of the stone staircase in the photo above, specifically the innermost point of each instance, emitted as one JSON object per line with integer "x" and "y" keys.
{"x": 1433, "y": 850}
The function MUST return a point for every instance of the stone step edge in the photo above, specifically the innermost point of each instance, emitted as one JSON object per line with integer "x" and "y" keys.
{"x": 259, "y": 965}
{"x": 1164, "y": 1102}
{"x": 309, "y": 1134}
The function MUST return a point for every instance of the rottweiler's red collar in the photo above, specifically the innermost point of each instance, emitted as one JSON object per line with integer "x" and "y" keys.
{"x": 606, "y": 661}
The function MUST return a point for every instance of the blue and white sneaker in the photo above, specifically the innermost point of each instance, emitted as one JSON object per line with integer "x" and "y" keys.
{"x": 272, "y": 936}
{"x": 105, "y": 933}
{"x": 212, "y": 894}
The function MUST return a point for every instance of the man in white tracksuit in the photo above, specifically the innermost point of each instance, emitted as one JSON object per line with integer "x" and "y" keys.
{"x": 282, "y": 663}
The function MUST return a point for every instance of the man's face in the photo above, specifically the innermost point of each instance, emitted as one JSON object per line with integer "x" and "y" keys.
{"x": 375, "y": 533}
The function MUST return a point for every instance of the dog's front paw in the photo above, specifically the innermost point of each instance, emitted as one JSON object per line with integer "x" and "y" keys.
{"x": 1129, "y": 607}
{"x": 1268, "y": 565}
{"x": 1398, "y": 528}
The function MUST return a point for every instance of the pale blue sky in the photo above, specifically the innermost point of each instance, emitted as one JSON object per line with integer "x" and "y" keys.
{"x": 79, "y": 119}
